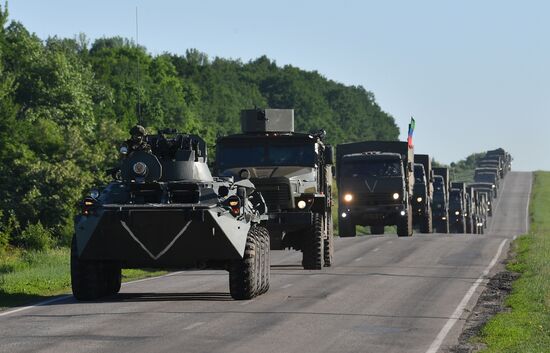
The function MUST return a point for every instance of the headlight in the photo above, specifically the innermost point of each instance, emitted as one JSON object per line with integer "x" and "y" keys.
{"x": 123, "y": 150}
{"x": 444, "y": 218}
{"x": 395, "y": 196}
{"x": 465, "y": 215}
{"x": 140, "y": 168}
{"x": 94, "y": 194}
{"x": 344, "y": 214}
{"x": 488, "y": 202}
{"x": 301, "y": 204}
{"x": 457, "y": 213}
{"x": 348, "y": 197}
{"x": 418, "y": 199}
{"x": 494, "y": 186}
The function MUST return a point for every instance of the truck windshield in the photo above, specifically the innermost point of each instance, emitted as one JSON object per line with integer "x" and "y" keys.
{"x": 419, "y": 174}
{"x": 231, "y": 156}
{"x": 371, "y": 168}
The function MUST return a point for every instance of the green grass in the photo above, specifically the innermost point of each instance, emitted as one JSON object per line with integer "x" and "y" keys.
{"x": 526, "y": 326}
{"x": 27, "y": 276}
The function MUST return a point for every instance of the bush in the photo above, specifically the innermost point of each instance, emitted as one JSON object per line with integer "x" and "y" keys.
{"x": 36, "y": 237}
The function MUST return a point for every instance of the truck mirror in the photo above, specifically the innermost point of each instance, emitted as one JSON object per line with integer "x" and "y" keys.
{"x": 333, "y": 170}
{"x": 329, "y": 154}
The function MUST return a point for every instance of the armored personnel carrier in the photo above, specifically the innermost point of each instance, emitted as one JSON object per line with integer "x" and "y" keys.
{"x": 165, "y": 210}
{"x": 293, "y": 172}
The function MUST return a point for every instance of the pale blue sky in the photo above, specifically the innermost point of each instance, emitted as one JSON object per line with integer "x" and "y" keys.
{"x": 475, "y": 74}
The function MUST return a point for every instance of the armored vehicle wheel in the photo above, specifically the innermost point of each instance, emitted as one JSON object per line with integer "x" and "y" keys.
{"x": 404, "y": 226}
{"x": 426, "y": 225}
{"x": 376, "y": 230}
{"x": 266, "y": 262}
{"x": 441, "y": 227}
{"x": 346, "y": 229}
{"x": 312, "y": 250}
{"x": 91, "y": 280}
{"x": 245, "y": 274}
{"x": 329, "y": 242}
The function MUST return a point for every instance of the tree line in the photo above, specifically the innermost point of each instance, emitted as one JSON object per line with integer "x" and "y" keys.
{"x": 67, "y": 103}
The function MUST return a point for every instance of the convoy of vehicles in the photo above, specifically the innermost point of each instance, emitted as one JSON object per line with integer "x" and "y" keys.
{"x": 164, "y": 209}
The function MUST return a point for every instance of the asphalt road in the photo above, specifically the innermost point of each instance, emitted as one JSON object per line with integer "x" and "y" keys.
{"x": 384, "y": 294}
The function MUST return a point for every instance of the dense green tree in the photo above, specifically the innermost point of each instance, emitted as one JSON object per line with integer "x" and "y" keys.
{"x": 65, "y": 104}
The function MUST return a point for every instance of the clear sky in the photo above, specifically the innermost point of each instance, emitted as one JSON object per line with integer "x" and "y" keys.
{"x": 474, "y": 74}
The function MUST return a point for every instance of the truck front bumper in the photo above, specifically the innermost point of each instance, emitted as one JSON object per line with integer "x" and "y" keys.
{"x": 373, "y": 215}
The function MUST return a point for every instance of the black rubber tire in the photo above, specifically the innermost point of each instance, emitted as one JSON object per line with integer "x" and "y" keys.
{"x": 329, "y": 242}
{"x": 244, "y": 273}
{"x": 427, "y": 225}
{"x": 346, "y": 229}
{"x": 376, "y": 230}
{"x": 266, "y": 262}
{"x": 405, "y": 227}
{"x": 92, "y": 280}
{"x": 313, "y": 248}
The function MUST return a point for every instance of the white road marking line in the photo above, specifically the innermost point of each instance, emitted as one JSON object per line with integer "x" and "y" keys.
{"x": 45, "y": 302}
{"x": 192, "y": 326}
{"x": 287, "y": 286}
{"x": 358, "y": 259}
{"x": 375, "y": 249}
{"x": 64, "y": 297}
{"x": 436, "y": 344}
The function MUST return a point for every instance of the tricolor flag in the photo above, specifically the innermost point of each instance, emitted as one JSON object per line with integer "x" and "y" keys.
{"x": 411, "y": 130}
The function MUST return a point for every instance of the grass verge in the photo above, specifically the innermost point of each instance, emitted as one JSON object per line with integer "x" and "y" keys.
{"x": 30, "y": 276}
{"x": 525, "y": 327}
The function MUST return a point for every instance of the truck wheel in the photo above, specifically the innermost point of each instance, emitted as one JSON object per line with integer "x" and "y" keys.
{"x": 427, "y": 226}
{"x": 91, "y": 280}
{"x": 376, "y": 230}
{"x": 243, "y": 273}
{"x": 312, "y": 251}
{"x": 462, "y": 227}
{"x": 329, "y": 242}
{"x": 346, "y": 229}
{"x": 266, "y": 262}
{"x": 404, "y": 226}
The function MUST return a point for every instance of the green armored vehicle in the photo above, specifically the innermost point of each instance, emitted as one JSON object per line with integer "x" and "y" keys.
{"x": 293, "y": 172}
{"x": 165, "y": 210}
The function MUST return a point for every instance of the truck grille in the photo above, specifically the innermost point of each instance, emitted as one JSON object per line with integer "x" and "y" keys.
{"x": 375, "y": 199}
{"x": 277, "y": 196}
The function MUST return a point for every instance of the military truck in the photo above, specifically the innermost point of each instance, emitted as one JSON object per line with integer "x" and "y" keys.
{"x": 488, "y": 189}
{"x": 440, "y": 206}
{"x": 488, "y": 175}
{"x": 457, "y": 208}
{"x": 504, "y": 156}
{"x": 467, "y": 202}
{"x": 478, "y": 209}
{"x": 165, "y": 210}
{"x": 375, "y": 186}
{"x": 423, "y": 193}
{"x": 293, "y": 173}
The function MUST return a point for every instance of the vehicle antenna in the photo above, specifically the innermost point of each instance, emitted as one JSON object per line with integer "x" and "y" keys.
{"x": 138, "y": 70}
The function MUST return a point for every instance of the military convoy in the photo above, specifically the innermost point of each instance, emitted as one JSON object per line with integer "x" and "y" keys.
{"x": 164, "y": 209}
